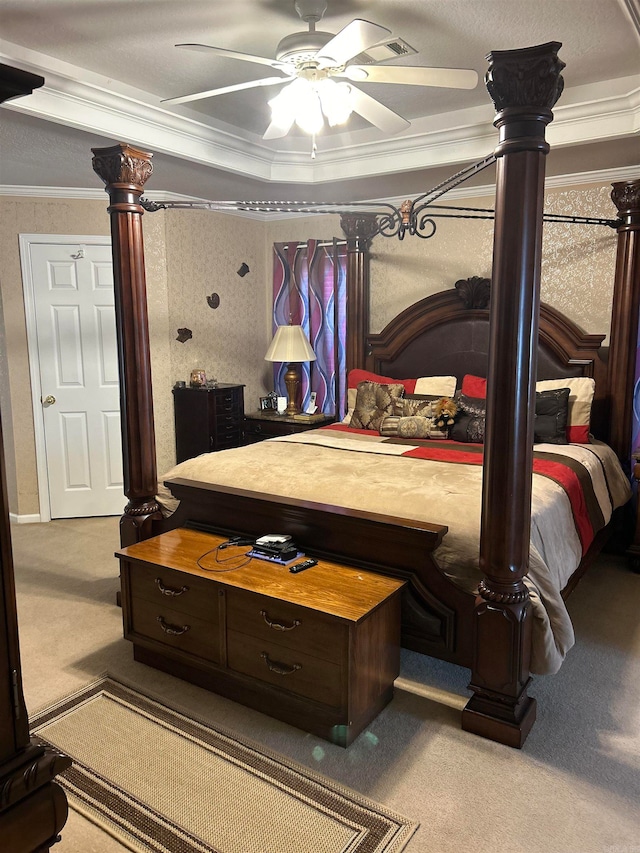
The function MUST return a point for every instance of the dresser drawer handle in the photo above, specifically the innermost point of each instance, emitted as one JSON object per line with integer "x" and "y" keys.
{"x": 174, "y": 630}
{"x": 168, "y": 590}
{"x": 279, "y": 668}
{"x": 279, "y": 626}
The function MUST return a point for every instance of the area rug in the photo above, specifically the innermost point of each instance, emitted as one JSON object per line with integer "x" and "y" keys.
{"x": 158, "y": 780}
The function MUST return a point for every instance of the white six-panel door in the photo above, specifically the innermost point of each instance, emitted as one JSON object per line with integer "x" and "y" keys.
{"x": 74, "y": 322}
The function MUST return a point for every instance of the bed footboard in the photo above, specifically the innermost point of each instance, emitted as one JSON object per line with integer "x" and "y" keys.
{"x": 436, "y": 614}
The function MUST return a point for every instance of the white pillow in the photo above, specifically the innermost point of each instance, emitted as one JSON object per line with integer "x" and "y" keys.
{"x": 438, "y": 386}
{"x": 581, "y": 391}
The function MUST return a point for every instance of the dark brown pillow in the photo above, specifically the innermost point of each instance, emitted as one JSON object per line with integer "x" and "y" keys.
{"x": 374, "y": 402}
{"x": 470, "y": 422}
{"x": 550, "y": 422}
{"x": 552, "y": 409}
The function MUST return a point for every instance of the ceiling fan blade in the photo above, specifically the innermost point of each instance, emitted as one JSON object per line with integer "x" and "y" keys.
{"x": 453, "y": 78}
{"x": 353, "y": 39}
{"x": 252, "y": 84}
{"x": 234, "y": 54}
{"x": 376, "y": 113}
{"x": 277, "y": 130}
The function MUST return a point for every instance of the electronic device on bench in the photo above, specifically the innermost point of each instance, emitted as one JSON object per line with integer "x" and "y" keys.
{"x": 276, "y": 547}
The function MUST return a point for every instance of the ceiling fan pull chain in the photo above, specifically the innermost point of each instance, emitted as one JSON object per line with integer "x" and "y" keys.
{"x": 314, "y": 147}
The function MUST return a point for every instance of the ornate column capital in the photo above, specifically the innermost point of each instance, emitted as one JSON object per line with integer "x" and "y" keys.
{"x": 359, "y": 229}
{"x": 124, "y": 171}
{"x": 122, "y": 164}
{"x": 626, "y": 197}
{"x": 524, "y": 85}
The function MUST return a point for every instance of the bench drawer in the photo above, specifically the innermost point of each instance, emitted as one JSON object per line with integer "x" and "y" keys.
{"x": 274, "y": 621}
{"x": 288, "y": 669}
{"x": 176, "y": 629}
{"x": 168, "y": 588}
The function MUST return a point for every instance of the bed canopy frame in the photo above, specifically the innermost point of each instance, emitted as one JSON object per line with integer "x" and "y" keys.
{"x": 524, "y": 86}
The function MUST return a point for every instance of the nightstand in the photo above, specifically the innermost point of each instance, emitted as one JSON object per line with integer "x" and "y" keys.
{"x": 261, "y": 425}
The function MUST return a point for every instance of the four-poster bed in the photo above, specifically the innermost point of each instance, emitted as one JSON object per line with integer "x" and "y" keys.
{"x": 489, "y": 631}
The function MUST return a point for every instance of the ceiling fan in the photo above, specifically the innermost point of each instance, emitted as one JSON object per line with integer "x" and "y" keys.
{"x": 316, "y": 66}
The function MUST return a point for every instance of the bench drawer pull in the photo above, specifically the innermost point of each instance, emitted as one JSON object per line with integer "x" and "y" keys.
{"x": 173, "y": 630}
{"x": 279, "y": 626}
{"x": 279, "y": 668}
{"x": 168, "y": 590}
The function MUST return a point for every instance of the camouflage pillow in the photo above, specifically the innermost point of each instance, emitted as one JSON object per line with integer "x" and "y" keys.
{"x": 413, "y": 405}
{"x": 412, "y": 426}
{"x": 374, "y": 402}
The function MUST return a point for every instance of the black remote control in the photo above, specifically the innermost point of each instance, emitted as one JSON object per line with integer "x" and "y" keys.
{"x": 305, "y": 564}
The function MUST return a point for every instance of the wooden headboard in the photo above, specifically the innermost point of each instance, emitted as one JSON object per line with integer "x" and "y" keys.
{"x": 441, "y": 335}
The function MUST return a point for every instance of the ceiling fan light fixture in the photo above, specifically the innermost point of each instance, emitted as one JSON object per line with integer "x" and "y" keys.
{"x": 336, "y": 101}
{"x": 298, "y": 102}
{"x": 308, "y": 102}
{"x": 309, "y": 116}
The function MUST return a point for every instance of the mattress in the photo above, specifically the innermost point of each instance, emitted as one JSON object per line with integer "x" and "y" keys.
{"x": 576, "y": 488}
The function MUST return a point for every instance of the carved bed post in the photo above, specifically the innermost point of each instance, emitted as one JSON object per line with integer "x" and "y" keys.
{"x": 524, "y": 85}
{"x": 624, "y": 319}
{"x": 359, "y": 230}
{"x": 124, "y": 171}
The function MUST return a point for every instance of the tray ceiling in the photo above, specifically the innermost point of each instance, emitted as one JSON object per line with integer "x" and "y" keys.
{"x": 108, "y": 63}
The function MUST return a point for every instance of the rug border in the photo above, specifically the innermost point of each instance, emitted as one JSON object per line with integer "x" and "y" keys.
{"x": 404, "y": 827}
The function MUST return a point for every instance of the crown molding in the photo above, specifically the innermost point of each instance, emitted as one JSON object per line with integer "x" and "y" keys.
{"x": 604, "y": 177}
{"x": 89, "y": 102}
{"x": 633, "y": 10}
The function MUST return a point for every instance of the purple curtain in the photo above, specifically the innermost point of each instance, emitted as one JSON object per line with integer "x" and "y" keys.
{"x": 309, "y": 290}
{"x": 635, "y": 429}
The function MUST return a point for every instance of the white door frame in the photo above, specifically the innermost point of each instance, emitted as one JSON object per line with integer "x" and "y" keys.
{"x": 26, "y": 241}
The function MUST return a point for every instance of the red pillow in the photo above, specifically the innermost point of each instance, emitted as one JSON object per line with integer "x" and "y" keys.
{"x": 356, "y": 375}
{"x": 474, "y": 386}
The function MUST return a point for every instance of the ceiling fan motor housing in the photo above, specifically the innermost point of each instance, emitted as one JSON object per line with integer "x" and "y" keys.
{"x": 301, "y": 47}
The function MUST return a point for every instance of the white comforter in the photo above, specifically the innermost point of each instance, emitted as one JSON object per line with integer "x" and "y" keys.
{"x": 365, "y": 472}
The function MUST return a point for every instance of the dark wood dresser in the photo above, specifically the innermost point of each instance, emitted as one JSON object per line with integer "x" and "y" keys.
{"x": 208, "y": 419}
{"x": 319, "y": 649}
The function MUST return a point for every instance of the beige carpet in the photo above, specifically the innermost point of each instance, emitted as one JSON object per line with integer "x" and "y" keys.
{"x": 159, "y": 780}
{"x": 574, "y": 788}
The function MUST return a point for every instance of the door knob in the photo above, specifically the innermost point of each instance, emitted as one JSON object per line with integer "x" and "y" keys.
{"x": 49, "y": 399}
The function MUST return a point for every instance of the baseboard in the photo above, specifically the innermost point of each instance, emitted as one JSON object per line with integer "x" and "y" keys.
{"x": 34, "y": 518}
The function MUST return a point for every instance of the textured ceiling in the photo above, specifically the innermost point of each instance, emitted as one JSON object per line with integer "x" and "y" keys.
{"x": 120, "y": 56}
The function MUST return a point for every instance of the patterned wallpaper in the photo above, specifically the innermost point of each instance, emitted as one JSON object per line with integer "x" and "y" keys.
{"x": 578, "y": 261}
{"x": 155, "y": 255}
{"x": 204, "y": 253}
{"x": 577, "y": 270}
{"x": 192, "y": 254}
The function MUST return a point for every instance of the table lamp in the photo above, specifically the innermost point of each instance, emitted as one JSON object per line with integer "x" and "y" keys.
{"x": 290, "y": 345}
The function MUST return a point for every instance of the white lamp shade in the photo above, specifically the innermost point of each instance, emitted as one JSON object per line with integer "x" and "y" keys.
{"x": 290, "y": 344}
